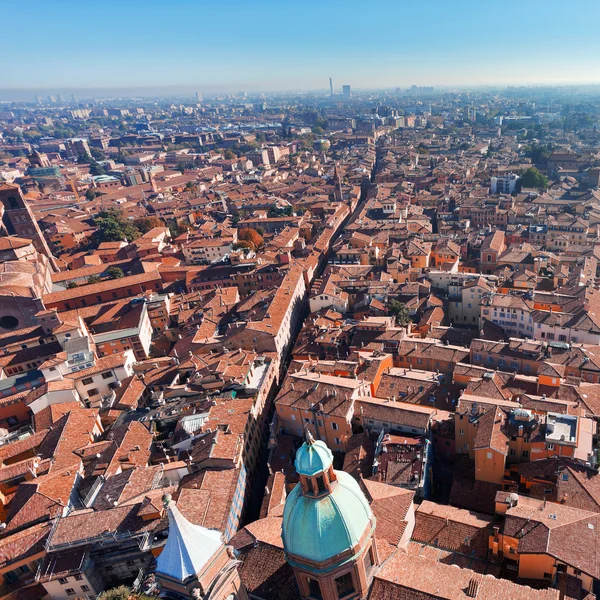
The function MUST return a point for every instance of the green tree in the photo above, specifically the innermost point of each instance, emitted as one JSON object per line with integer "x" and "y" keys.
{"x": 177, "y": 228}
{"x": 532, "y": 178}
{"x": 538, "y": 153}
{"x": 97, "y": 169}
{"x": 93, "y": 279}
{"x": 399, "y": 310}
{"x": 97, "y": 154}
{"x": 71, "y": 285}
{"x": 274, "y": 211}
{"x": 90, "y": 194}
{"x": 115, "y": 272}
{"x": 112, "y": 226}
{"x": 186, "y": 165}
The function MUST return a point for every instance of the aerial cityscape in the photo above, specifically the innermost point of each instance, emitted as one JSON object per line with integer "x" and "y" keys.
{"x": 290, "y": 323}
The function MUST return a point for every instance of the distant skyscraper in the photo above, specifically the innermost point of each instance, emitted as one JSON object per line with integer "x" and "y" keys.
{"x": 346, "y": 92}
{"x": 74, "y": 99}
{"x": 198, "y": 96}
{"x": 60, "y": 99}
{"x": 331, "y": 86}
{"x": 39, "y": 100}
{"x": 52, "y": 99}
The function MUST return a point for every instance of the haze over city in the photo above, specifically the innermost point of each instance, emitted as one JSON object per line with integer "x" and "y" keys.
{"x": 299, "y": 300}
{"x": 279, "y": 46}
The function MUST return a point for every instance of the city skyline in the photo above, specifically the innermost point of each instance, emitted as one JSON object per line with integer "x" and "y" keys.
{"x": 271, "y": 47}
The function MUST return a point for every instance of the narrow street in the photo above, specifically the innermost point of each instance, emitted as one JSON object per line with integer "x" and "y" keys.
{"x": 257, "y": 486}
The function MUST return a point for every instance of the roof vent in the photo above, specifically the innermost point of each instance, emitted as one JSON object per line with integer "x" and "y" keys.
{"x": 472, "y": 588}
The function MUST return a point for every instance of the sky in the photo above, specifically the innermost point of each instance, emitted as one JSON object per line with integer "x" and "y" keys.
{"x": 278, "y": 45}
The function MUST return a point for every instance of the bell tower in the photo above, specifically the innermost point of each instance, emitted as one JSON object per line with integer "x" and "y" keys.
{"x": 328, "y": 529}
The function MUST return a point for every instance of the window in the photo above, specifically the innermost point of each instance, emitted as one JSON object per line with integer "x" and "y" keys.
{"x": 70, "y": 591}
{"x": 78, "y": 577}
{"x": 63, "y": 580}
{"x": 87, "y": 381}
{"x": 314, "y": 589}
{"x": 334, "y": 426}
{"x": 368, "y": 561}
{"x": 337, "y": 441}
{"x": 320, "y": 485}
{"x": 550, "y": 446}
{"x": 344, "y": 585}
{"x": 462, "y": 432}
{"x": 93, "y": 392}
{"x": 525, "y": 453}
{"x": 107, "y": 375}
{"x": 489, "y": 456}
{"x": 85, "y": 588}
{"x": 511, "y": 451}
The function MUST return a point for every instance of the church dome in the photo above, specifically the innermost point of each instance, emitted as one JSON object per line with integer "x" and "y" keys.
{"x": 318, "y": 529}
{"x": 312, "y": 458}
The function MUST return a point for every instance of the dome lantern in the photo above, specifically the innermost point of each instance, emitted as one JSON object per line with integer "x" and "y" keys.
{"x": 328, "y": 528}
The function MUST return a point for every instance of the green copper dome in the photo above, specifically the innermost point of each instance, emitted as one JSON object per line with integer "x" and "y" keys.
{"x": 313, "y": 457}
{"x": 321, "y": 528}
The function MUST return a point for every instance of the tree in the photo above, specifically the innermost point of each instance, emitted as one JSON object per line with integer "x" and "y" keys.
{"x": 399, "y": 310}
{"x": 71, "y": 285}
{"x": 538, "y": 153}
{"x": 115, "y": 272}
{"x": 242, "y": 245}
{"x": 148, "y": 223}
{"x": 90, "y": 194}
{"x": 97, "y": 169}
{"x": 275, "y": 211}
{"x": 119, "y": 593}
{"x": 251, "y": 236}
{"x": 84, "y": 159}
{"x": 532, "y": 178}
{"x": 93, "y": 279}
{"x": 177, "y": 228}
{"x": 112, "y": 226}
{"x": 184, "y": 166}
{"x": 97, "y": 154}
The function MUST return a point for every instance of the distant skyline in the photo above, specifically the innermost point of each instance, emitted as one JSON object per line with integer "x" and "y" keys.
{"x": 279, "y": 45}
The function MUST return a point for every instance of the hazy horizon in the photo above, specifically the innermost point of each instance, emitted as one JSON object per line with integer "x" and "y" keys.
{"x": 276, "y": 46}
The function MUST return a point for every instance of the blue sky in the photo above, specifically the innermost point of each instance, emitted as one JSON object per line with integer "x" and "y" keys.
{"x": 284, "y": 45}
